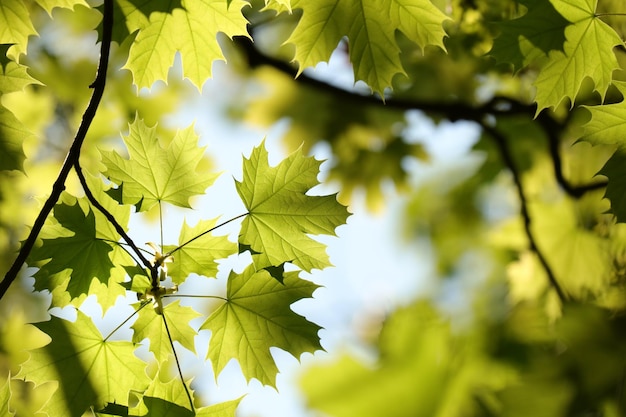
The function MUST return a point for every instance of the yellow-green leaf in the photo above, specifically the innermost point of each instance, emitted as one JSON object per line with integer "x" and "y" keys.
{"x": 281, "y": 214}
{"x": 587, "y": 53}
{"x": 255, "y": 317}
{"x": 154, "y": 174}
{"x": 90, "y": 370}
{"x": 370, "y": 26}
{"x": 190, "y": 29}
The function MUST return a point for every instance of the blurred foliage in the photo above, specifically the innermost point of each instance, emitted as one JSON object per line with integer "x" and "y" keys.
{"x": 517, "y": 348}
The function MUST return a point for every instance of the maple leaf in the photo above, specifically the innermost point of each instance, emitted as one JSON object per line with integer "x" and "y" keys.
{"x": 531, "y": 36}
{"x": 281, "y": 214}
{"x": 90, "y": 371}
{"x": 200, "y": 255}
{"x": 587, "y": 53}
{"x": 72, "y": 248}
{"x": 12, "y": 134}
{"x": 15, "y": 24}
{"x": 154, "y": 174}
{"x": 255, "y": 317}
{"x": 49, "y": 5}
{"x": 5, "y": 396}
{"x": 14, "y": 77}
{"x": 169, "y": 399}
{"x": 150, "y": 325}
{"x": 370, "y": 26}
{"x": 615, "y": 171}
{"x": 607, "y": 123}
{"x": 190, "y": 29}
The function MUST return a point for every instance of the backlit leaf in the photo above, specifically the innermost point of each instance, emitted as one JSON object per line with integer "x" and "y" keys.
{"x": 154, "y": 174}
{"x": 531, "y": 36}
{"x": 370, "y": 26}
{"x": 615, "y": 171}
{"x": 150, "y": 325}
{"x": 72, "y": 245}
{"x": 5, "y": 396}
{"x": 607, "y": 123}
{"x": 190, "y": 29}
{"x": 587, "y": 52}
{"x": 90, "y": 371}
{"x": 255, "y": 317}
{"x": 199, "y": 256}
{"x": 15, "y": 24}
{"x": 12, "y": 135}
{"x": 282, "y": 215}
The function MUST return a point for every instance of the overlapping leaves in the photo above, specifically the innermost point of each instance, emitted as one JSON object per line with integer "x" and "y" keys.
{"x": 370, "y": 27}
{"x": 89, "y": 369}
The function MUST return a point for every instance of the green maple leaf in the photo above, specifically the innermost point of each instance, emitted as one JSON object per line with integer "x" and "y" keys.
{"x": 370, "y": 26}
{"x": 5, "y": 396}
{"x": 12, "y": 135}
{"x": 164, "y": 399}
{"x": 607, "y": 123}
{"x": 587, "y": 52}
{"x": 150, "y": 325}
{"x": 255, "y": 317}
{"x": 74, "y": 248}
{"x": 14, "y": 77}
{"x": 225, "y": 409}
{"x": 90, "y": 371}
{"x": 534, "y": 35}
{"x": 190, "y": 29}
{"x": 154, "y": 174}
{"x": 49, "y": 5}
{"x": 200, "y": 255}
{"x": 15, "y": 24}
{"x": 615, "y": 171}
{"x": 281, "y": 214}
{"x": 169, "y": 399}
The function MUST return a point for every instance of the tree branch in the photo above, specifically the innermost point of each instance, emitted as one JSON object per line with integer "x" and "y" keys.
{"x": 453, "y": 110}
{"x": 118, "y": 227}
{"x": 507, "y": 158}
{"x": 497, "y": 106}
{"x": 73, "y": 153}
{"x": 551, "y": 129}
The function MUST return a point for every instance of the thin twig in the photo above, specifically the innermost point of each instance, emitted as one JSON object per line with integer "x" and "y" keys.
{"x": 507, "y": 158}
{"x": 180, "y": 372}
{"x": 118, "y": 227}
{"x": 170, "y": 253}
{"x": 143, "y": 304}
{"x": 73, "y": 153}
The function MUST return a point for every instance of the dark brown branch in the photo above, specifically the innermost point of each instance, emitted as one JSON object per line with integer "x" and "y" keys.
{"x": 73, "y": 153}
{"x": 507, "y": 158}
{"x": 551, "y": 129}
{"x": 453, "y": 110}
{"x": 497, "y": 106}
{"x": 118, "y": 227}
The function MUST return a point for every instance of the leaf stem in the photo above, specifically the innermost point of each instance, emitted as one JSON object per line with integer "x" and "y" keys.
{"x": 73, "y": 153}
{"x": 143, "y": 304}
{"x": 180, "y": 372}
{"x": 507, "y": 158}
{"x": 170, "y": 253}
{"x": 118, "y": 228}
{"x": 161, "y": 222}
{"x": 216, "y": 297}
